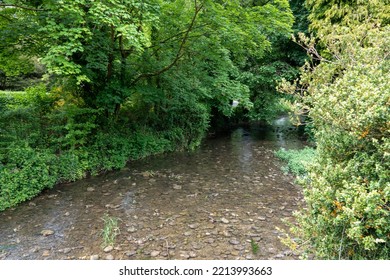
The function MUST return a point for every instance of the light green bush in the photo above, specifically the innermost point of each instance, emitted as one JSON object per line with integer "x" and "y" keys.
{"x": 347, "y": 191}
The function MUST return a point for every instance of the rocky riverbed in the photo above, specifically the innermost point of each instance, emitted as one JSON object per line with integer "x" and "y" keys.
{"x": 224, "y": 201}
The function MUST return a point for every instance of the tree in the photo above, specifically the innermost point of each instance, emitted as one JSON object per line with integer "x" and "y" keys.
{"x": 282, "y": 61}
{"x": 107, "y": 49}
{"x": 16, "y": 47}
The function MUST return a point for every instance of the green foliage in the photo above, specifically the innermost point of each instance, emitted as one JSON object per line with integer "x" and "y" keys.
{"x": 112, "y": 150}
{"x": 72, "y": 126}
{"x": 327, "y": 13}
{"x": 128, "y": 78}
{"x": 297, "y": 160}
{"x": 255, "y": 247}
{"x": 110, "y": 230}
{"x": 24, "y": 173}
{"x": 46, "y": 140}
{"x": 281, "y": 61}
{"x": 22, "y": 116}
{"x": 109, "y": 48}
{"x": 347, "y": 97}
{"x": 13, "y": 65}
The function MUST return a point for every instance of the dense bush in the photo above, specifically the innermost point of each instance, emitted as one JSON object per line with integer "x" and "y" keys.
{"x": 348, "y": 188}
{"x": 24, "y": 173}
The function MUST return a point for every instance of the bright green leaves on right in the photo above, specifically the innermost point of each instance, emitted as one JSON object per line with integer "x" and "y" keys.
{"x": 347, "y": 99}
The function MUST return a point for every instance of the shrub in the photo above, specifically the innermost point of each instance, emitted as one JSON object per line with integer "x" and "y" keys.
{"x": 348, "y": 188}
{"x": 69, "y": 167}
{"x": 24, "y": 174}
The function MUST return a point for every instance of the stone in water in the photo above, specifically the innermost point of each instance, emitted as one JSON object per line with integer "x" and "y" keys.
{"x": 47, "y": 232}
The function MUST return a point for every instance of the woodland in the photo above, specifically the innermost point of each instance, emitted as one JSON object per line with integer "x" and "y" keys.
{"x": 87, "y": 86}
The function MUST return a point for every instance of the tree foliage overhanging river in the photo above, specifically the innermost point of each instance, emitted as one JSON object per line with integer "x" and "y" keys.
{"x": 223, "y": 201}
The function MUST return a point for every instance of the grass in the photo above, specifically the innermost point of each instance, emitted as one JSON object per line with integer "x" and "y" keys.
{"x": 296, "y": 160}
{"x": 255, "y": 247}
{"x": 110, "y": 230}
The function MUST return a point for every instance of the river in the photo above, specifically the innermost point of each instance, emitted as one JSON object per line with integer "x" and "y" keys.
{"x": 223, "y": 201}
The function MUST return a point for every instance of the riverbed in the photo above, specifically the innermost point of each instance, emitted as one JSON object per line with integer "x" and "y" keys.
{"x": 227, "y": 200}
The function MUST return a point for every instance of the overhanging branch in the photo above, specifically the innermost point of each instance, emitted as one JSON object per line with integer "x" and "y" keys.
{"x": 179, "y": 53}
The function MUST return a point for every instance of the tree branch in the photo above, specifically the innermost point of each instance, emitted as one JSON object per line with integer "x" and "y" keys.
{"x": 179, "y": 53}
{"x": 7, "y": 18}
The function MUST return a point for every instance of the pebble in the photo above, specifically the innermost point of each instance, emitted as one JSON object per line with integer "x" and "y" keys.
{"x": 67, "y": 250}
{"x": 90, "y": 189}
{"x": 34, "y": 249}
{"x": 94, "y": 257}
{"x": 46, "y": 253}
{"x": 177, "y": 187}
{"x": 279, "y": 256}
{"x": 155, "y": 253}
{"x": 193, "y": 226}
{"x": 108, "y": 249}
{"x": 131, "y": 229}
{"x": 109, "y": 257}
{"x": 225, "y": 221}
{"x": 193, "y": 255}
{"x": 47, "y": 232}
{"x": 196, "y": 246}
{"x": 164, "y": 254}
{"x": 288, "y": 253}
{"x": 131, "y": 253}
{"x": 261, "y": 218}
{"x": 234, "y": 242}
{"x": 185, "y": 256}
{"x": 226, "y": 234}
{"x": 271, "y": 250}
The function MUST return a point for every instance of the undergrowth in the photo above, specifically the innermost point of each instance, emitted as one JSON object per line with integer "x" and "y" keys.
{"x": 296, "y": 161}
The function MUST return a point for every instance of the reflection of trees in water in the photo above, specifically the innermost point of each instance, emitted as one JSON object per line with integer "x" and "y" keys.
{"x": 242, "y": 146}
{"x": 282, "y": 133}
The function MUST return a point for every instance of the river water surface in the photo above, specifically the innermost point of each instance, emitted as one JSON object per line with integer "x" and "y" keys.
{"x": 223, "y": 201}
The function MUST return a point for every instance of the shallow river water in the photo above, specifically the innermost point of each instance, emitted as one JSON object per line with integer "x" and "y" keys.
{"x": 223, "y": 201}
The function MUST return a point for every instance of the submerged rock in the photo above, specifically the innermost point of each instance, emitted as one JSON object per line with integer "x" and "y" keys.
{"x": 46, "y": 253}
{"x": 47, "y": 232}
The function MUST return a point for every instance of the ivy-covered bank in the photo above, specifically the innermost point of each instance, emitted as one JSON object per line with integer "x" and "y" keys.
{"x": 44, "y": 141}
